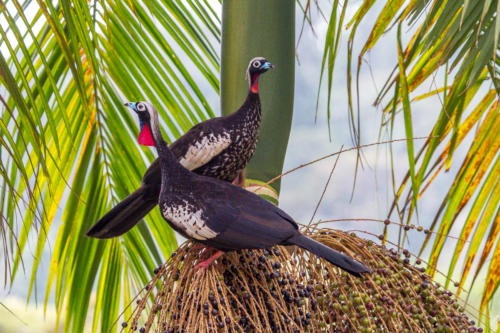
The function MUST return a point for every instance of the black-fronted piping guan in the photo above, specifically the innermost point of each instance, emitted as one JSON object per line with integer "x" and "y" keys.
{"x": 221, "y": 215}
{"x": 219, "y": 147}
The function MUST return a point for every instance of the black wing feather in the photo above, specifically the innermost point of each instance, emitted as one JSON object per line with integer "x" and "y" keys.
{"x": 180, "y": 146}
{"x": 243, "y": 219}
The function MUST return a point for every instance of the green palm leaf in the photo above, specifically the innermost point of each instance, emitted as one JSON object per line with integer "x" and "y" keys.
{"x": 66, "y": 136}
{"x": 461, "y": 37}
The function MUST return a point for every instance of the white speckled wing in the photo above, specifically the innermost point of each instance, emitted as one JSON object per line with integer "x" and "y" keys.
{"x": 186, "y": 217}
{"x": 204, "y": 150}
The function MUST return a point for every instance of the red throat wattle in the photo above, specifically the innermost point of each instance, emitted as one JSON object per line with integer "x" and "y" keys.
{"x": 255, "y": 85}
{"x": 145, "y": 137}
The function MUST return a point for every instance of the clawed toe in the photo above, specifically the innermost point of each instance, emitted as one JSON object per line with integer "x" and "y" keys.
{"x": 202, "y": 266}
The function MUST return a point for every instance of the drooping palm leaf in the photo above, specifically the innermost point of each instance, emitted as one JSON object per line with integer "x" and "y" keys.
{"x": 68, "y": 147}
{"x": 460, "y": 37}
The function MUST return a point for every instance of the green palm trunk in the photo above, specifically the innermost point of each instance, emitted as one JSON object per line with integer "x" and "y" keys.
{"x": 265, "y": 28}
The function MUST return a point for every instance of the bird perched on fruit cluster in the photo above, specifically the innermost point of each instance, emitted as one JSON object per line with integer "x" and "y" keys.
{"x": 221, "y": 215}
{"x": 219, "y": 147}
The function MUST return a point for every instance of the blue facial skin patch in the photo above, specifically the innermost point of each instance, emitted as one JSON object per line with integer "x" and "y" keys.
{"x": 266, "y": 65}
{"x": 132, "y": 105}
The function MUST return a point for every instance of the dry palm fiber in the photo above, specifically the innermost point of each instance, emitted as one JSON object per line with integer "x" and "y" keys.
{"x": 286, "y": 289}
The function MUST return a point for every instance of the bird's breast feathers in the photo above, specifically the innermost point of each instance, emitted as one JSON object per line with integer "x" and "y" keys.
{"x": 204, "y": 149}
{"x": 188, "y": 218}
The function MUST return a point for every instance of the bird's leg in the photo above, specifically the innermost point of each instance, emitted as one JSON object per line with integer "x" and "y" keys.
{"x": 240, "y": 179}
{"x": 202, "y": 266}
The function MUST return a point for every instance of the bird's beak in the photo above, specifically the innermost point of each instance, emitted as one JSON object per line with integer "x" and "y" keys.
{"x": 131, "y": 105}
{"x": 267, "y": 65}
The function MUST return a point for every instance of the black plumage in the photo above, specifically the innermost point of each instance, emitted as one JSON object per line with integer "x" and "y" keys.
{"x": 224, "y": 216}
{"x": 233, "y": 139}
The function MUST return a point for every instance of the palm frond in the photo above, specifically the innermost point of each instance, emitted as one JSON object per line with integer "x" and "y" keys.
{"x": 461, "y": 39}
{"x": 65, "y": 72}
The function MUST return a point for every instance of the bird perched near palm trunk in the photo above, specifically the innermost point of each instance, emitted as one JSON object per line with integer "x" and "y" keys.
{"x": 219, "y": 147}
{"x": 222, "y": 215}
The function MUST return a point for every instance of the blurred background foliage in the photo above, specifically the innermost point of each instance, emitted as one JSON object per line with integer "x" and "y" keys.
{"x": 68, "y": 150}
{"x": 461, "y": 37}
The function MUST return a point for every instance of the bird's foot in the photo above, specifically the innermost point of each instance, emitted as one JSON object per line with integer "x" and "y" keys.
{"x": 202, "y": 266}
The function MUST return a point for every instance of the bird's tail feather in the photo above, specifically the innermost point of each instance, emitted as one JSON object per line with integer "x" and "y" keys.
{"x": 124, "y": 215}
{"x": 337, "y": 258}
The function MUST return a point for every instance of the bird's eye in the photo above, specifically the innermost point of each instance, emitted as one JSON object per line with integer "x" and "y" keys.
{"x": 256, "y": 64}
{"x": 141, "y": 107}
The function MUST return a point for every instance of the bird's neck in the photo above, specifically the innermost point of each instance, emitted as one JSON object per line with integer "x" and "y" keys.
{"x": 248, "y": 113}
{"x": 170, "y": 167}
{"x": 250, "y": 110}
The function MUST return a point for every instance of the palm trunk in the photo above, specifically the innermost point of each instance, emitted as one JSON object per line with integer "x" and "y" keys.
{"x": 265, "y": 28}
